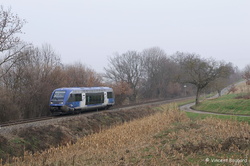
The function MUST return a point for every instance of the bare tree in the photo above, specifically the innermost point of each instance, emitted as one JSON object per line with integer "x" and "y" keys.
{"x": 80, "y": 75}
{"x": 122, "y": 91}
{"x": 126, "y": 68}
{"x": 158, "y": 73}
{"x": 220, "y": 83}
{"x": 10, "y": 43}
{"x": 30, "y": 81}
{"x": 246, "y": 74}
{"x": 200, "y": 72}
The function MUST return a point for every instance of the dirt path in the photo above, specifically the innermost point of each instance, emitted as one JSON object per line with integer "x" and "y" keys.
{"x": 188, "y": 108}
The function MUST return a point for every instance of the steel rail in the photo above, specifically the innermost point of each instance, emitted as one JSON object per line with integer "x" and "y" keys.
{"x": 23, "y": 121}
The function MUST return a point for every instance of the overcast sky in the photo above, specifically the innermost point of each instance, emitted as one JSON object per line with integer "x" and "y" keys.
{"x": 90, "y": 31}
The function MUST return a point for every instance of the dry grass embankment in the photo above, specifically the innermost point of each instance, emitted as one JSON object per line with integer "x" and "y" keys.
{"x": 242, "y": 88}
{"x": 165, "y": 138}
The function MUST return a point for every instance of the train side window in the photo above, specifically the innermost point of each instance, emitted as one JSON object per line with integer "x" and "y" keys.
{"x": 75, "y": 97}
{"x": 78, "y": 97}
{"x": 94, "y": 98}
{"x": 110, "y": 95}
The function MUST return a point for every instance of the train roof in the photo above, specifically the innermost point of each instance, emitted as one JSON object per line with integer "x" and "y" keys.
{"x": 85, "y": 88}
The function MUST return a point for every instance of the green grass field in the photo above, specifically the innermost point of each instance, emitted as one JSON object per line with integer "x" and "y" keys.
{"x": 196, "y": 116}
{"x": 228, "y": 104}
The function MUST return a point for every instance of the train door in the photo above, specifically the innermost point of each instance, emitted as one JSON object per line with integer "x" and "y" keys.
{"x": 105, "y": 98}
{"x": 83, "y": 100}
{"x": 110, "y": 96}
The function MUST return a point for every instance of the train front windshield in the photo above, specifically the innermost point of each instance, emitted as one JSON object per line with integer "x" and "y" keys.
{"x": 59, "y": 95}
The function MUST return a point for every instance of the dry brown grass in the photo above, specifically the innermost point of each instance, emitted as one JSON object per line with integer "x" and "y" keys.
{"x": 168, "y": 137}
{"x": 243, "y": 88}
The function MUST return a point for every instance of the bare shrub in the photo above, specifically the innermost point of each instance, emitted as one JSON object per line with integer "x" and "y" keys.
{"x": 232, "y": 89}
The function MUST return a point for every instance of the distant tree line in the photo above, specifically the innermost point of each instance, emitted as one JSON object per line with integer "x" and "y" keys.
{"x": 151, "y": 74}
{"x": 29, "y": 74}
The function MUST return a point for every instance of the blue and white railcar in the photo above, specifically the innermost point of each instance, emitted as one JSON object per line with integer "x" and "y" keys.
{"x": 76, "y": 99}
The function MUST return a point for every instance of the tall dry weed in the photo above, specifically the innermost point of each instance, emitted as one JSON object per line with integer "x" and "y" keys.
{"x": 168, "y": 137}
{"x": 111, "y": 146}
{"x": 243, "y": 88}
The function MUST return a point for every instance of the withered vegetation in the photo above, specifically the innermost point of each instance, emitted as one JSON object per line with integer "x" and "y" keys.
{"x": 166, "y": 137}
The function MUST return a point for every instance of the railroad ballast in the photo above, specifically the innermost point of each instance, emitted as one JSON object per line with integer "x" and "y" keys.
{"x": 76, "y": 99}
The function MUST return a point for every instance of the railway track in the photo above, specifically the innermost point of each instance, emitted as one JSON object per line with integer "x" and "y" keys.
{"x": 25, "y": 121}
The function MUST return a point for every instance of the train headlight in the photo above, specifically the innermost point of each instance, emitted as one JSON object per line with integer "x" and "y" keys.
{"x": 60, "y": 102}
